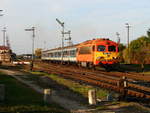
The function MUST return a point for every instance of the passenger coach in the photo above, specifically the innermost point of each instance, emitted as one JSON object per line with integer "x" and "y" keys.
{"x": 55, "y": 55}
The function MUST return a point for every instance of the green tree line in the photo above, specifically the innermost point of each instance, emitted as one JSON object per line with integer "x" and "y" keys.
{"x": 138, "y": 51}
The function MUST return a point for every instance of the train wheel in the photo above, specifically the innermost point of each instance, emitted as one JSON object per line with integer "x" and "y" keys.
{"x": 90, "y": 65}
{"x": 79, "y": 64}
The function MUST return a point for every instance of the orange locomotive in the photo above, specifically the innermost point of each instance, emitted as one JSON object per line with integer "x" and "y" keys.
{"x": 97, "y": 52}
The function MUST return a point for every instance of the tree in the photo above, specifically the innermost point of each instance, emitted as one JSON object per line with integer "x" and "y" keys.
{"x": 143, "y": 55}
{"x": 38, "y": 52}
{"x": 138, "y": 51}
{"x": 148, "y": 33}
{"x": 121, "y": 48}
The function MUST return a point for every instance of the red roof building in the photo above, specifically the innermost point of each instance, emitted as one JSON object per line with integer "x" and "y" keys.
{"x": 5, "y": 54}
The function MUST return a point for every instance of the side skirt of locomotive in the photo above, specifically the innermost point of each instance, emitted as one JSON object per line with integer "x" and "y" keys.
{"x": 110, "y": 67}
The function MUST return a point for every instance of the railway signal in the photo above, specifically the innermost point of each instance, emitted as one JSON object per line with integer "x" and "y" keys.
{"x": 61, "y": 23}
{"x": 69, "y": 39}
{"x": 1, "y": 14}
{"x": 63, "y": 27}
{"x": 33, "y": 36}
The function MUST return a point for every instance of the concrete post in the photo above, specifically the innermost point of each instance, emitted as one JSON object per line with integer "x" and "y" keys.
{"x": 92, "y": 97}
{"x": 124, "y": 81}
{"x": 47, "y": 94}
{"x": 2, "y": 92}
{"x": 110, "y": 96}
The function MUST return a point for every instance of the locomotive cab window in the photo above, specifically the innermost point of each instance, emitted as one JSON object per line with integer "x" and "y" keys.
{"x": 112, "y": 48}
{"x": 101, "y": 48}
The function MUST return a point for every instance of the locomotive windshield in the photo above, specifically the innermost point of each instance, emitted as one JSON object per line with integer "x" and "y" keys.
{"x": 112, "y": 48}
{"x": 101, "y": 48}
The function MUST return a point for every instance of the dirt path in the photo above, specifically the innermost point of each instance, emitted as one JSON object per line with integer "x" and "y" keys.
{"x": 68, "y": 104}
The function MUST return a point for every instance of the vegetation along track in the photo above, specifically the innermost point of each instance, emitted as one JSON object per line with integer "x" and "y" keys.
{"x": 109, "y": 80}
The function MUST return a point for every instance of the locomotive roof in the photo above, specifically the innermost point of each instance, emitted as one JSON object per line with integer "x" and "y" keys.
{"x": 93, "y": 41}
{"x": 66, "y": 47}
{"x": 98, "y": 40}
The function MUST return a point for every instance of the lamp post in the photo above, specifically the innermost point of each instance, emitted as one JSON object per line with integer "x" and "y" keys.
{"x": 128, "y": 29}
{"x": 118, "y": 37}
{"x": 63, "y": 27}
{"x": 33, "y": 36}
{"x": 128, "y": 32}
{"x": 4, "y": 35}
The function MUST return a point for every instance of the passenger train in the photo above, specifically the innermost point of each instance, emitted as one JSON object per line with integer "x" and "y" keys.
{"x": 91, "y": 53}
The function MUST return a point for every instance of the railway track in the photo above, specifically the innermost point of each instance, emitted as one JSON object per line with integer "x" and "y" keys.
{"x": 111, "y": 80}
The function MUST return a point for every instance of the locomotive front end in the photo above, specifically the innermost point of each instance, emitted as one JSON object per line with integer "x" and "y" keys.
{"x": 106, "y": 53}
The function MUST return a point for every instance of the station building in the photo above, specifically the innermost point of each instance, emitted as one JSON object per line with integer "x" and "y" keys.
{"x": 5, "y": 54}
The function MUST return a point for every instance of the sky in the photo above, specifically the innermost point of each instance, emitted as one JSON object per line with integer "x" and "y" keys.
{"x": 87, "y": 19}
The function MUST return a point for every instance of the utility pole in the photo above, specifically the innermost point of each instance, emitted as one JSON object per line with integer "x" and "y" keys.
{"x": 63, "y": 27}
{"x": 44, "y": 45}
{"x": 4, "y": 35}
{"x": 128, "y": 32}
{"x": 4, "y": 30}
{"x": 7, "y": 42}
{"x": 33, "y": 36}
{"x": 118, "y": 37}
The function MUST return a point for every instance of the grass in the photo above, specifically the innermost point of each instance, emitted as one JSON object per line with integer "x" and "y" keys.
{"x": 124, "y": 107}
{"x": 135, "y": 67}
{"x": 21, "y": 99}
{"x": 74, "y": 86}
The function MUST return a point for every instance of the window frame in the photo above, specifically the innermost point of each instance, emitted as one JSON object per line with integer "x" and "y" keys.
{"x": 112, "y": 49}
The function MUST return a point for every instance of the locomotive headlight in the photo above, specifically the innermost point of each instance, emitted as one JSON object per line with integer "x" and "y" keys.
{"x": 114, "y": 57}
{"x": 99, "y": 58}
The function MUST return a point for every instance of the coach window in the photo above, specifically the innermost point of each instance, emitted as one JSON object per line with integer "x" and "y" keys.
{"x": 101, "y": 48}
{"x": 65, "y": 53}
{"x": 112, "y": 48}
{"x": 49, "y": 55}
{"x": 59, "y": 54}
{"x": 52, "y": 54}
{"x": 72, "y": 53}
